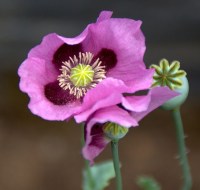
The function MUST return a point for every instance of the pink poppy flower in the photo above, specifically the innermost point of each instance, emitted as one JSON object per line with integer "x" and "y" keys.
{"x": 127, "y": 114}
{"x": 67, "y": 77}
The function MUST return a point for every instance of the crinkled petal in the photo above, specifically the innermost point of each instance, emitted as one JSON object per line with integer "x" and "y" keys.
{"x": 158, "y": 95}
{"x": 120, "y": 44}
{"x": 136, "y": 103}
{"x": 113, "y": 114}
{"x": 141, "y": 79}
{"x": 107, "y": 93}
{"x": 51, "y": 43}
{"x": 34, "y": 75}
{"x": 96, "y": 141}
{"x": 124, "y": 38}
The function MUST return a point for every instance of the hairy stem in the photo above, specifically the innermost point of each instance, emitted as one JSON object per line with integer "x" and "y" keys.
{"x": 182, "y": 149}
{"x": 87, "y": 164}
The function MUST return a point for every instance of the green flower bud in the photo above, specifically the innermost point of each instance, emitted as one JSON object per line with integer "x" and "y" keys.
{"x": 114, "y": 131}
{"x": 169, "y": 75}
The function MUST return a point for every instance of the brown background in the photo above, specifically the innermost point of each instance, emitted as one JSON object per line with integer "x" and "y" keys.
{"x": 43, "y": 155}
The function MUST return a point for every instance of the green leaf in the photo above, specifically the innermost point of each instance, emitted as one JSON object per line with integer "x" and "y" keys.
{"x": 148, "y": 183}
{"x": 101, "y": 174}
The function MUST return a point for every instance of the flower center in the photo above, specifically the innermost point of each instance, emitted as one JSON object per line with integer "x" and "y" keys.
{"x": 79, "y": 74}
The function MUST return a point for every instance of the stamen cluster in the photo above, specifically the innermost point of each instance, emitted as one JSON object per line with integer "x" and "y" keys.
{"x": 79, "y": 74}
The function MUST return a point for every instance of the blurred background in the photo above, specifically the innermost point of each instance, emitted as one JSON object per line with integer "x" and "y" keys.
{"x": 43, "y": 155}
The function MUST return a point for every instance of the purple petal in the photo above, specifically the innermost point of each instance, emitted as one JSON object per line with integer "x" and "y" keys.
{"x": 141, "y": 79}
{"x": 95, "y": 142}
{"x": 35, "y": 74}
{"x": 108, "y": 58}
{"x": 64, "y": 52}
{"x": 158, "y": 95}
{"x": 55, "y": 94}
{"x": 124, "y": 38}
{"x": 52, "y": 42}
{"x": 47, "y": 48}
{"x": 38, "y": 76}
{"x": 136, "y": 103}
{"x": 95, "y": 139}
{"x": 113, "y": 114}
{"x": 107, "y": 93}
{"x": 104, "y": 15}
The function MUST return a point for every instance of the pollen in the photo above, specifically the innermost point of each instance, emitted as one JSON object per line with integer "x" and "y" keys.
{"x": 79, "y": 74}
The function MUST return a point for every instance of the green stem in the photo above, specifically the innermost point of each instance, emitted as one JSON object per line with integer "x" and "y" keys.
{"x": 182, "y": 150}
{"x": 89, "y": 174}
{"x": 87, "y": 164}
{"x": 114, "y": 146}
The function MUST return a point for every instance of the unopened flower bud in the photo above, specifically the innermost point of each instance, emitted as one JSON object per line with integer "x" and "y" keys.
{"x": 114, "y": 131}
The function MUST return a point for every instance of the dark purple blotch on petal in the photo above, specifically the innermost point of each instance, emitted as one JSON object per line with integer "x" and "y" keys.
{"x": 98, "y": 141}
{"x": 64, "y": 52}
{"x": 97, "y": 129}
{"x": 97, "y": 136}
{"x": 55, "y": 94}
{"x": 108, "y": 58}
{"x": 121, "y": 106}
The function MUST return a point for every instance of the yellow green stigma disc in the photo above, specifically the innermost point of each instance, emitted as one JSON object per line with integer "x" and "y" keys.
{"x": 81, "y": 75}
